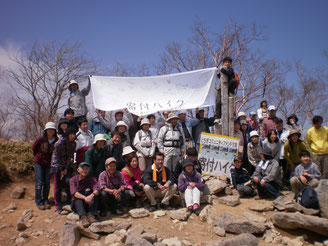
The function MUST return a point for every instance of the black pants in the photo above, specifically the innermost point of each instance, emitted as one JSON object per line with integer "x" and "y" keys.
{"x": 232, "y": 84}
{"x": 60, "y": 184}
{"x": 286, "y": 172}
{"x": 82, "y": 208}
{"x": 108, "y": 201}
{"x": 269, "y": 187}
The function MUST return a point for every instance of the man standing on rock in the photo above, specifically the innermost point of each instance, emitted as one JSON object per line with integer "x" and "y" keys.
{"x": 85, "y": 195}
{"x": 158, "y": 184}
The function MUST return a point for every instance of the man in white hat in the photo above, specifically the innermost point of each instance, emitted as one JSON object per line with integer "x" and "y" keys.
{"x": 187, "y": 124}
{"x": 76, "y": 100}
{"x": 171, "y": 141}
{"x": 269, "y": 123}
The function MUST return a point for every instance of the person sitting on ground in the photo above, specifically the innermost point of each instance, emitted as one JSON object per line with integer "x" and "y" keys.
{"x": 158, "y": 183}
{"x": 76, "y": 100}
{"x": 190, "y": 185}
{"x": 192, "y": 154}
{"x": 145, "y": 145}
{"x": 62, "y": 162}
{"x": 42, "y": 151}
{"x": 292, "y": 123}
{"x": 272, "y": 144}
{"x": 62, "y": 127}
{"x": 123, "y": 129}
{"x": 113, "y": 189}
{"x": 85, "y": 195}
{"x": 252, "y": 121}
{"x": 292, "y": 149}
{"x": 96, "y": 156}
{"x": 267, "y": 176}
{"x": 115, "y": 149}
{"x": 306, "y": 174}
{"x": 317, "y": 138}
{"x": 233, "y": 82}
{"x": 240, "y": 179}
{"x": 254, "y": 151}
{"x": 269, "y": 122}
{"x": 84, "y": 139}
{"x": 96, "y": 127}
{"x": 132, "y": 176}
{"x": 203, "y": 125}
{"x": 72, "y": 123}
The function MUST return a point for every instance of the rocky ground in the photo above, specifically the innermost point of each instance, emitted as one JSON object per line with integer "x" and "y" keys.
{"x": 227, "y": 220}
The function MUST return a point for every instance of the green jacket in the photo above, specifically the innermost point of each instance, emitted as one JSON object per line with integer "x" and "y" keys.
{"x": 292, "y": 154}
{"x": 96, "y": 159}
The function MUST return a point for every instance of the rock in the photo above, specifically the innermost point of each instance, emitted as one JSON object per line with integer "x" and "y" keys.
{"x": 323, "y": 197}
{"x": 159, "y": 213}
{"x": 23, "y": 235}
{"x": 68, "y": 208}
{"x": 108, "y": 226}
{"x": 325, "y": 242}
{"x": 254, "y": 217}
{"x": 21, "y": 226}
{"x": 5, "y": 226}
{"x": 69, "y": 235}
{"x": 85, "y": 231}
{"x": 98, "y": 244}
{"x": 113, "y": 238}
{"x": 18, "y": 192}
{"x": 297, "y": 220}
{"x": 281, "y": 202}
{"x": 132, "y": 240}
{"x": 229, "y": 200}
{"x": 238, "y": 225}
{"x": 159, "y": 244}
{"x": 73, "y": 216}
{"x": 139, "y": 213}
{"x": 240, "y": 240}
{"x": 223, "y": 177}
{"x": 219, "y": 231}
{"x": 205, "y": 214}
{"x": 50, "y": 221}
{"x": 206, "y": 199}
{"x": 136, "y": 230}
{"x": 64, "y": 212}
{"x": 272, "y": 235}
{"x": 228, "y": 190}
{"x": 173, "y": 241}
{"x": 28, "y": 214}
{"x": 261, "y": 207}
{"x": 180, "y": 214}
{"x": 186, "y": 243}
{"x": 298, "y": 207}
{"x": 215, "y": 186}
{"x": 19, "y": 240}
{"x": 12, "y": 206}
{"x": 151, "y": 237}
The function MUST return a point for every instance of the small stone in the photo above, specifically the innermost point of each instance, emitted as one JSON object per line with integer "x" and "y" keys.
{"x": 20, "y": 240}
{"x": 68, "y": 208}
{"x": 12, "y": 206}
{"x": 205, "y": 213}
{"x": 159, "y": 213}
{"x": 254, "y": 217}
{"x": 73, "y": 216}
{"x": 219, "y": 231}
{"x": 151, "y": 237}
{"x": 132, "y": 240}
{"x": 23, "y": 235}
{"x": 228, "y": 190}
{"x": 136, "y": 230}
{"x": 175, "y": 221}
{"x": 214, "y": 186}
{"x": 21, "y": 226}
{"x": 181, "y": 227}
{"x": 173, "y": 241}
{"x": 261, "y": 207}
{"x": 48, "y": 221}
{"x": 139, "y": 213}
{"x": 186, "y": 243}
{"x": 229, "y": 200}
{"x": 223, "y": 177}
{"x": 4, "y": 226}
{"x": 64, "y": 212}
{"x": 180, "y": 214}
{"x": 18, "y": 192}
{"x": 28, "y": 214}
{"x": 112, "y": 238}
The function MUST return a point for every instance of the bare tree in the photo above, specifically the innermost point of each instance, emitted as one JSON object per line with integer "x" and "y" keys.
{"x": 40, "y": 80}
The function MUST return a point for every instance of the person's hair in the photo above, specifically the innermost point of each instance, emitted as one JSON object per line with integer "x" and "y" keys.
{"x": 278, "y": 120}
{"x": 304, "y": 153}
{"x": 236, "y": 122}
{"x": 227, "y": 58}
{"x": 129, "y": 160}
{"x": 261, "y": 105}
{"x": 68, "y": 111}
{"x": 115, "y": 133}
{"x": 157, "y": 154}
{"x": 82, "y": 120}
{"x": 191, "y": 152}
{"x": 270, "y": 133}
{"x": 317, "y": 119}
{"x": 151, "y": 116}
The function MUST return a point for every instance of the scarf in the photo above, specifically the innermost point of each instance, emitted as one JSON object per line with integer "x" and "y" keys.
{"x": 155, "y": 174}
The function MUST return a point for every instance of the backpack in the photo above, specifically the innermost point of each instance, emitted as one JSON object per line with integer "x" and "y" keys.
{"x": 308, "y": 198}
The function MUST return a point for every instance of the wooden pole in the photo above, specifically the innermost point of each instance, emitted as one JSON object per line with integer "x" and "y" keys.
{"x": 231, "y": 115}
{"x": 225, "y": 108}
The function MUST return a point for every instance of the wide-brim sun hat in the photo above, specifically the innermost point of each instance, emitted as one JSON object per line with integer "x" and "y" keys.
{"x": 144, "y": 121}
{"x": 50, "y": 125}
{"x": 127, "y": 150}
{"x": 292, "y": 132}
{"x": 99, "y": 137}
{"x": 271, "y": 107}
{"x": 241, "y": 114}
{"x": 254, "y": 134}
{"x": 122, "y": 123}
{"x": 172, "y": 116}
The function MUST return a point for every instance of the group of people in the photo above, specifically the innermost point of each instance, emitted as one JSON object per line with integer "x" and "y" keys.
{"x": 105, "y": 165}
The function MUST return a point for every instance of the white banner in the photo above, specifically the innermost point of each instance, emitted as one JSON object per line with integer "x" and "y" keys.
{"x": 216, "y": 153}
{"x": 146, "y": 95}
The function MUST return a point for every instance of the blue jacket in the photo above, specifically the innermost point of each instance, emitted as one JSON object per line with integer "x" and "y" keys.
{"x": 190, "y": 123}
{"x": 97, "y": 128}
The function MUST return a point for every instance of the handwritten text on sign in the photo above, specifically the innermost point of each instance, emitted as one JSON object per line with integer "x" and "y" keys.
{"x": 217, "y": 153}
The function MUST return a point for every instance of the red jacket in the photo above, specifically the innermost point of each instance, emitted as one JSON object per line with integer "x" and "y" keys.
{"x": 136, "y": 176}
{"x": 42, "y": 150}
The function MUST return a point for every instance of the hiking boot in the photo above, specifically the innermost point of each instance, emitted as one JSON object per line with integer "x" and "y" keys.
{"x": 165, "y": 207}
{"x": 85, "y": 221}
{"x": 259, "y": 197}
{"x": 119, "y": 212}
{"x": 47, "y": 206}
{"x": 92, "y": 218}
{"x": 196, "y": 211}
{"x": 41, "y": 207}
{"x": 152, "y": 208}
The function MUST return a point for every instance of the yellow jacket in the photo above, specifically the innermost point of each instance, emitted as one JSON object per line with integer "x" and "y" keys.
{"x": 318, "y": 140}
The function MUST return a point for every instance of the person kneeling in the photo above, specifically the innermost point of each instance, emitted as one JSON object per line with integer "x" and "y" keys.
{"x": 113, "y": 188}
{"x": 240, "y": 179}
{"x": 306, "y": 174}
{"x": 190, "y": 185}
{"x": 267, "y": 176}
{"x": 84, "y": 190}
{"x": 158, "y": 184}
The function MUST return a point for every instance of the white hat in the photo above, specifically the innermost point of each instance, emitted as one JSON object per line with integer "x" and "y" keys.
{"x": 183, "y": 111}
{"x": 71, "y": 82}
{"x": 127, "y": 150}
{"x": 144, "y": 121}
{"x": 254, "y": 133}
{"x": 122, "y": 123}
{"x": 50, "y": 125}
{"x": 99, "y": 137}
{"x": 172, "y": 116}
{"x": 119, "y": 111}
{"x": 241, "y": 114}
{"x": 271, "y": 107}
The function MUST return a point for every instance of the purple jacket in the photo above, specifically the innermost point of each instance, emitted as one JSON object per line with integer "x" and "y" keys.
{"x": 185, "y": 178}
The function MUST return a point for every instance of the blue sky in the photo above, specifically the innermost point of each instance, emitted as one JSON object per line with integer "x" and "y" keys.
{"x": 135, "y": 32}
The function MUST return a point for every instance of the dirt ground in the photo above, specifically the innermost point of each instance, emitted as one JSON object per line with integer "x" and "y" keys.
{"x": 47, "y": 224}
